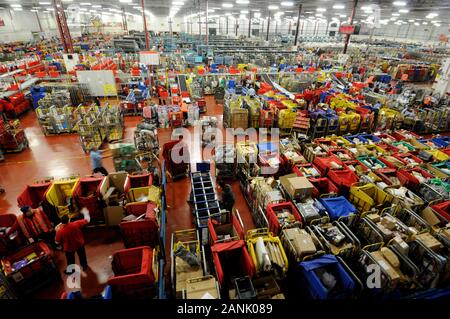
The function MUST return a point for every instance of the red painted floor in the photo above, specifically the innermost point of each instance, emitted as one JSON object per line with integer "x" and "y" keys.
{"x": 60, "y": 156}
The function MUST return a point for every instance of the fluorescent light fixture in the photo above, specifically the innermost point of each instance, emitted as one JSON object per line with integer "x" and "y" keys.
{"x": 96, "y": 6}
{"x": 395, "y": 14}
{"x": 412, "y": 20}
{"x": 272, "y": 7}
{"x": 287, "y": 4}
{"x": 342, "y": 16}
{"x": 244, "y": 11}
{"x": 34, "y": 10}
{"x": 137, "y": 8}
{"x": 319, "y": 15}
{"x": 242, "y": 1}
{"x": 15, "y": 5}
{"x": 416, "y": 23}
{"x": 403, "y": 10}
{"x": 399, "y": 3}
{"x": 85, "y": 3}
{"x": 338, "y": 6}
{"x": 44, "y": 3}
{"x": 437, "y": 24}
{"x": 321, "y": 9}
{"x": 17, "y": 9}
{"x": 425, "y": 23}
{"x": 227, "y": 5}
{"x": 125, "y": 1}
{"x": 365, "y": 8}
{"x": 67, "y": 0}
{"x": 51, "y": 9}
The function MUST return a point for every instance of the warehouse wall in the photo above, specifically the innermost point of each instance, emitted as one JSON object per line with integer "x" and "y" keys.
{"x": 19, "y": 25}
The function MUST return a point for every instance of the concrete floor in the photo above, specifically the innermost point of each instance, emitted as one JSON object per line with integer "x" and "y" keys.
{"x": 60, "y": 156}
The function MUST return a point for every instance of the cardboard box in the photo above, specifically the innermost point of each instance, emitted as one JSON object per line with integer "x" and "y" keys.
{"x": 446, "y": 233}
{"x": 113, "y": 180}
{"x": 430, "y": 241}
{"x": 388, "y": 222}
{"x": 297, "y": 187}
{"x": 429, "y": 216}
{"x": 374, "y": 217}
{"x": 392, "y": 273}
{"x": 201, "y": 288}
{"x": 385, "y": 231}
{"x": 301, "y": 241}
{"x": 401, "y": 245}
{"x": 390, "y": 256}
{"x": 113, "y": 215}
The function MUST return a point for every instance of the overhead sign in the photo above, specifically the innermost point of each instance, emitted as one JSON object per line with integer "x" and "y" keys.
{"x": 347, "y": 29}
{"x": 149, "y": 57}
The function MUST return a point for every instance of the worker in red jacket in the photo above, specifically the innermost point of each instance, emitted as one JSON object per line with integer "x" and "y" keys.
{"x": 70, "y": 236}
{"x": 34, "y": 224}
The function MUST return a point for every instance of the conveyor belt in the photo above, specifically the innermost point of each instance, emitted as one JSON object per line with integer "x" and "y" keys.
{"x": 265, "y": 77}
{"x": 182, "y": 83}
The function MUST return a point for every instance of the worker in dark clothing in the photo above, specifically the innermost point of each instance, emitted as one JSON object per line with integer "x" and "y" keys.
{"x": 97, "y": 101}
{"x": 70, "y": 236}
{"x": 228, "y": 199}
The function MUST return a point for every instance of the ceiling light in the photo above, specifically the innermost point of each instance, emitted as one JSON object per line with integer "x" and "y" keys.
{"x": 257, "y": 15}
{"x": 399, "y": 3}
{"x": 425, "y": 23}
{"x": 321, "y": 9}
{"x": 125, "y": 1}
{"x": 227, "y": 5}
{"x": 228, "y": 14}
{"x": 67, "y": 0}
{"x": 242, "y": 1}
{"x": 51, "y": 9}
{"x": 244, "y": 11}
{"x": 412, "y": 20}
{"x": 437, "y": 24}
{"x": 342, "y": 16}
{"x": 178, "y": 3}
{"x": 365, "y": 8}
{"x": 416, "y": 23}
{"x": 395, "y": 14}
{"x": 85, "y": 4}
{"x": 17, "y": 9}
{"x": 242, "y": 16}
{"x": 338, "y": 6}
{"x": 15, "y": 5}
{"x": 403, "y": 10}
{"x": 45, "y": 3}
{"x": 137, "y": 8}
{"x": 272, "y": 7}
{"x": 287, "y": 4}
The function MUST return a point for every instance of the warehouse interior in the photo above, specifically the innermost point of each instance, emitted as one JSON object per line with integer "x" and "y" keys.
{"x": 224, "y": 149}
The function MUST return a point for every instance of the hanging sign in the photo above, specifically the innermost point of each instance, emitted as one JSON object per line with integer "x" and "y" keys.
{"x": 149, "y": 57}
{"x": 347, "y": 29}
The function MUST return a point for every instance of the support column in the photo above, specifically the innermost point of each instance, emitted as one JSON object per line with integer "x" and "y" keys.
{"x": 289, "y": 27}
{"x": 352, "y": 17}
{"x": 236, "y": 27}
{"x": 64, "y": 32}
{"x": 124, "y": 21}
{"x": 276, "y": 27}
{"x": 39, "y": 22}
{"x": 249, "y": 25}
{"x": 226, "y": 25}
{"x": 207, "y": 29}
{"x": 268, "y": 26}
{"x": 147, "y": 40}
{"x": 300, "y": 6}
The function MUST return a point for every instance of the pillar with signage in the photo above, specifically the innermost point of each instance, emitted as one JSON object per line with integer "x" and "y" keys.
{"x": 150, "y": 59}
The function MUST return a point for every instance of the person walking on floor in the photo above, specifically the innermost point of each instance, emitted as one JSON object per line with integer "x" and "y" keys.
{"x": 34, "y": 224}
{"x": 70, "y": 236}
{"x": 97, "y": 161}
{"x": 228, "y": 198}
